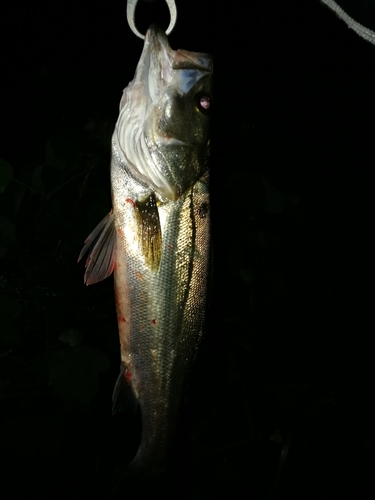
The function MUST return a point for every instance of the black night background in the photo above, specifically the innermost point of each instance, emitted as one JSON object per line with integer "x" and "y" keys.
{"x": 280, "y": 403}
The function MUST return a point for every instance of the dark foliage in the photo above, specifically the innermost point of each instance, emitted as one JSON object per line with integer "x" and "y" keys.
{"x": 280, "y": 402}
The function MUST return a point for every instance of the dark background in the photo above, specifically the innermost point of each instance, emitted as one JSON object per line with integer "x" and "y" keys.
{"x": 280, "y": 404}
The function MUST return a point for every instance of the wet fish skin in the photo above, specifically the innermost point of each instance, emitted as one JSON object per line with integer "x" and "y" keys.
{"x": 157, "y": 237}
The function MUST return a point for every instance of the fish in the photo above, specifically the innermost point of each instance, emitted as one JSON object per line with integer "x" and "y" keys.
{"x": 157, "y": 239}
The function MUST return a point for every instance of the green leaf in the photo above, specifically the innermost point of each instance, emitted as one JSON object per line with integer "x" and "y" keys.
{"x": 36, "y": 181}
{"x": 53, "y": 178}
{"x": 9, "y": 307}
{"x": 19, "y": 193}
{"x": 63, "y": 147}
{"x": 246, "y": 275}
{"x": 277, "y": 436}
{"x": 75, "y": 374}
{"x": 10, "y": 333}
{"x": 71, "y": 337}
{"x": 7, "y": 235}
{"x": 100, "y": 130}
{"x": 6, "y": 174}
{"x": 275, "y": 200}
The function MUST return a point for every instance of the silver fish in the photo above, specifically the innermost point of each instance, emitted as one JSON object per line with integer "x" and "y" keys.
{"x": 156, "y": 239}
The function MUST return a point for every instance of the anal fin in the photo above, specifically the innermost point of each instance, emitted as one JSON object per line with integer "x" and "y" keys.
{"x": 123, "y": 397}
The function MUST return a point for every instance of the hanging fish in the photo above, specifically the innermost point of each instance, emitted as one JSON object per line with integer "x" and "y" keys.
{"x": 156, "y": 239}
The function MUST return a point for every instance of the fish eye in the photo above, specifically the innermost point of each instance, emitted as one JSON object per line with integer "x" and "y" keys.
{"x": 203, "y": 102}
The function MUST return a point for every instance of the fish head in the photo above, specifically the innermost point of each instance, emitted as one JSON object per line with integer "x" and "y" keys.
{"x": 163, "y": 125}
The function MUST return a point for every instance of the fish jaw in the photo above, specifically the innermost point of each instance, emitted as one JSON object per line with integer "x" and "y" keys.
{"x": 162, "y": 130}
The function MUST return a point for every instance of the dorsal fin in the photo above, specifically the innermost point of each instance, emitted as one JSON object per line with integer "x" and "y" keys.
{"x": 101, "y": 246}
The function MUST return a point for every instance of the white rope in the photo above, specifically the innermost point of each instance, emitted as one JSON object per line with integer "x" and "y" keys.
{"x": 362, "y": 31}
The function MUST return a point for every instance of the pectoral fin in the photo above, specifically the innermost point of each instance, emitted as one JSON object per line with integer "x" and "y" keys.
{"x": 149, "y": 231}
{"x": 101, "y": 245}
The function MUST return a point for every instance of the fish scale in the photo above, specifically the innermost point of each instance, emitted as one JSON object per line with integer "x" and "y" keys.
{"x": 167, "y": 347}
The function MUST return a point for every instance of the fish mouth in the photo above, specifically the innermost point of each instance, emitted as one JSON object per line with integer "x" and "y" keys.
{"x": 179, "y": 59}
{"x": 156, "y": 58}
{"x": 157, "y": 39}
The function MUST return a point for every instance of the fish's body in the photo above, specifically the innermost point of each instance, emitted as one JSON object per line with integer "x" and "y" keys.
{"x": 157, "y": 236}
